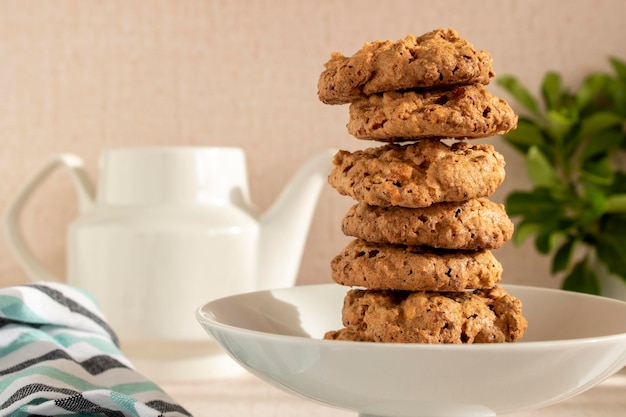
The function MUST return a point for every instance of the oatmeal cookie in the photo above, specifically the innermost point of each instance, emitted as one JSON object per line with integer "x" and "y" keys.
{"x": 473, "y": 224}
{"x": 435, "y": 59}
{"x": 343, "y": 334}
{"x": 465, "y": 112}
{"x": 397, "y": 267}
{"x": 482, "y": 316}
{"x": 419, "y": 174}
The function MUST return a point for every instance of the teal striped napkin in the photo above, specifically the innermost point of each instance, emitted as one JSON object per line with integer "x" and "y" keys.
{"x": 59, "y": 357}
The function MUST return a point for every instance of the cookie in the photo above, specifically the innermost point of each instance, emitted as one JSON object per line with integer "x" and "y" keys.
{"x": 343, "y": 334}
{"x": 482, "y": 316}
{"x": 438, "y": 58}
{"x": 465, "y": 112}
{"x": 473, "y": 224}
{"x": 410, "y": 268}
{"x": 418, "y": 174}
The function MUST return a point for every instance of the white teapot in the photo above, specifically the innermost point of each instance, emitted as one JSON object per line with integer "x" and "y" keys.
{"x": 170, "y": 228}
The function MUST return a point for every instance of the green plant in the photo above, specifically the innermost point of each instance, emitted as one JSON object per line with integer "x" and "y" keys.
{"x": 573, "y": 143}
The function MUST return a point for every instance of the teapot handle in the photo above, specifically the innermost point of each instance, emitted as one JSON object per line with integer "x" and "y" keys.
{"x": 13, "y": 232}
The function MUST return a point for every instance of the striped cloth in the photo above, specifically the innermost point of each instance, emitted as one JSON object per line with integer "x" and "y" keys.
{"x": 58, "y": 357}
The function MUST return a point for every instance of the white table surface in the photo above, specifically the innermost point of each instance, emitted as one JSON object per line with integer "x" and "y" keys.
{"x": 243, "y": 394}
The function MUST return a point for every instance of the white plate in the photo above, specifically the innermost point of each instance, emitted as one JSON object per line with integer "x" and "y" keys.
{"x": 573, "y": 342}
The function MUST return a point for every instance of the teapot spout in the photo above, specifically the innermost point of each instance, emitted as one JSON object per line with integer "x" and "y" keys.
{"x": 285, "y": 225}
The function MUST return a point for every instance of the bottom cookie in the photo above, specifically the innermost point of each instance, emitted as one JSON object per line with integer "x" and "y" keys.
{"x": 481, "y": 316}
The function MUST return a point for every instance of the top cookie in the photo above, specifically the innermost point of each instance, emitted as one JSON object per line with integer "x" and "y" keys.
{"x": 437, "y": 59}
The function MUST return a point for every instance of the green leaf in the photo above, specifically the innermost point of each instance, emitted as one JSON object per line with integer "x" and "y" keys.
{"x": 615, "y": 204}
{"x": 591, "y": 88}
{"x": 563, "y": 194}
{"x": 618, "y": 96}
{"x": 548, "y": 238}
{"x": 615, "y": 225}
{"x": 598, "y": 122}
{"x": 523, "y": 231}
{"x": 551, "y": 90}
{"x": 619, "y": 66}
{"x": 559, "y": 125}
{"x": 590, "y": 213}
{"x": 611, "y": 243}
{"x": 538, "y": 168}
{"x": 599, "y": 172}
{"x": 563, "y": 255}
{"x": 519, "y": 92}
{"x": 536, "y": 205}
{"x": 596, "y": 199}
{"x": 619, "y": 183}
{"x": 601, "y": 143}
{"x": 582, "y": 279}
{"x": 609, "y": 251}
{"x": 527, "y": 134}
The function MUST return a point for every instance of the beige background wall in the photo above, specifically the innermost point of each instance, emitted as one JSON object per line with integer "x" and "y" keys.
{"x": 81, "y": 76}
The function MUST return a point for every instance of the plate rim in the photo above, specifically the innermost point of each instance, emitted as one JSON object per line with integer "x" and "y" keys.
{"x": 203, "y": 317}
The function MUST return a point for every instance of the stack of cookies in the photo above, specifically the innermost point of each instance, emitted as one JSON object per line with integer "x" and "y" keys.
{"x": 421, "y": 263}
